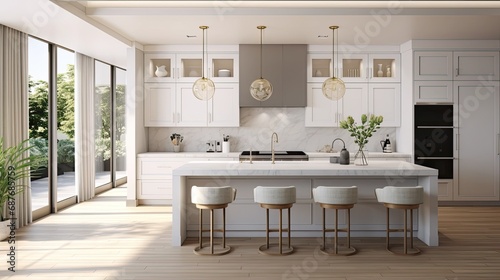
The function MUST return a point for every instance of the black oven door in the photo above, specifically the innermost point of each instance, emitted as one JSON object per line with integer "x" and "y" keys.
{"x": 443, "y": 165}
{"x": 434, "y": 142}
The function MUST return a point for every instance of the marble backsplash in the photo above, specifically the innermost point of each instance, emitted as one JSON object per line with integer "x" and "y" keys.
{"x": 256, "y": 128}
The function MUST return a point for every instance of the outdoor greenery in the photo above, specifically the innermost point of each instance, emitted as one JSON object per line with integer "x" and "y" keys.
{"x": 15, "y": 164}
{"x": 39, "y": 122}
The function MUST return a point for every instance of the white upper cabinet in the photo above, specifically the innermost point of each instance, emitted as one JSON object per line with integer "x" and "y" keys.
{"x": 433, "y": 91}
{"x": 224, "y": 108}
{"x": 385, "y": 100}
{"x": 320, "y": 111}
{"x": 457, "y": 66}
{"x": 190, "y": 110}
{"x": 223, "y": 67}
{"x": 382, "y": 67}
{"x": 430, "y": 66}
{"x": 154, "y": 64}
{"x": 476, "y": 66}
{"x": 159, "y": 104}
{"x": 355, "y": 101}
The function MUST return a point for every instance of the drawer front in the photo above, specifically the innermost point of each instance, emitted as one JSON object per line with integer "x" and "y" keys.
{"x": 154, "y": 189}
{"x": 156, "y": 168}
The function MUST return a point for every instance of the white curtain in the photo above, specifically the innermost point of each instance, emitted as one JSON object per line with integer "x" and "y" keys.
{"x": 14, "y": 104}
{"x": 84, "y": 127}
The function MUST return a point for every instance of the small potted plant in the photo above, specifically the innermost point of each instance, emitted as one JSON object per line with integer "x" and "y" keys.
{"x": 14, "y": 166}
{"x": 362, "y": 133}
{"x": 176, "y": 139}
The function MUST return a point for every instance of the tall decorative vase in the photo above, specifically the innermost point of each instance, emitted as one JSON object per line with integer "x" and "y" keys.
{"x": 177, "y": 148}
{"x": 388, "y": 73}
{"x": 380, "y": 73}
{"x": 360, "y": 158}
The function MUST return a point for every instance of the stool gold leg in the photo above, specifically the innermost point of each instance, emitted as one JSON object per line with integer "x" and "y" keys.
{"x": 200, "y": 233}
{"x": 211, "y": 231}
{"x": 324, "y": 229}
{"x": 281, "y": 232}
{"x": 405, "y": 230}
{"x": 267, "y": 228}
{"x": 289, "y": 228}
{"x": 223, "y": 227}
{"x": 348, "y": 227}
{"x": 387, "y": 229}
{"x": 411, "y": 228}
{"x": 336, "y": 231}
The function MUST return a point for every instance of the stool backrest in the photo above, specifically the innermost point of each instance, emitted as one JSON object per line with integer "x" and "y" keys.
{"x": 275, "y": 195}
{"x": 336, "y": 195}
{"x": 400, "y": 195}
{"x": 212, "y": 195}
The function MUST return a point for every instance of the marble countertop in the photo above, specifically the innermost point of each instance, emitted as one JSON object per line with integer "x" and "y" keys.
{"x": 237, "y": 154}
{"x": 302, "y": 168}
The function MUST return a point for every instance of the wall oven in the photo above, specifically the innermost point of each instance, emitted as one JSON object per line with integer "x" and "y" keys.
{"x": 434, "y": 141}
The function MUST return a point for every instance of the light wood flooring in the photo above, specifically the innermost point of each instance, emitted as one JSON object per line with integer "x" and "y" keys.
{"x": 103, "y": 239}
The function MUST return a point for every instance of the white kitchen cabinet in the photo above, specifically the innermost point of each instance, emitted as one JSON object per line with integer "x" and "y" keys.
{"x": 445, "y": 189}
{"x": 476, "y": 66}
{"x": 319, "y": 67}
{"x": 456, "y": 66}
{"x": 385, "y": 100}
{"x": 222, "y": 64}
{"x": 173, "y": 104}
{"x": 360, "y": 98}
{"x": 384, "y": 68}
{"x": 477, "y": 115}
{"x": 154, "y": 60}
{"x": 154, "y": 175}
{"x": 432, "y": 66}
{"x": 159, "y": 104}
{"x": 433, "y": 92}
{"x": 320, "y": 111}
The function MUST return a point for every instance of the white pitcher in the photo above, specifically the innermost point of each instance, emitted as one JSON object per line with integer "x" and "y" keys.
{"x": 161, "y": 71}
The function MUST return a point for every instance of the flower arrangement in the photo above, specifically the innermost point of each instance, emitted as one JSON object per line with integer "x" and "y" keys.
{"x": 176, "y": 139}
{"x": 363, "y": 132}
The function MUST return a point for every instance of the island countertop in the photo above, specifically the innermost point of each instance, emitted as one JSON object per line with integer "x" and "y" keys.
{"x": 302, "y": 168}
{"x": 246, "y": 220}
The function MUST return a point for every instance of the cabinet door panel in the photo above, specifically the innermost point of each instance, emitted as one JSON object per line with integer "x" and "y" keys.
{"x": 320, "y": 111}
{"x": 294, "y": 77}
{"x": 433, "y": 66}
{"x": 478, "y": 121}
{"x": 159, "y": 105}
{"x": 355, "y": 101}
{"x": 433, "y": 91}
{"x": 474, "y": 66}
{"x": 384, "y": 100}
{"x": 224, "y": 107}
{"x": 191, "y": 110}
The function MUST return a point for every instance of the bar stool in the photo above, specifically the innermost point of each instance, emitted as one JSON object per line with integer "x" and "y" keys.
{"x": 337, "y": 198}
{"x": 212, "y": 198}
{"x": 407, "y": 199}
{"x": 276, "y": 198}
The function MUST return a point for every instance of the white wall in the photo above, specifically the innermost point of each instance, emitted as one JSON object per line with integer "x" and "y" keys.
{"x": 256, "y": 127}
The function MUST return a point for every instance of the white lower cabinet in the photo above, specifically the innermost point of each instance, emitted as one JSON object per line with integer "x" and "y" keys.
{"x": 445, "y": 189}
{"x": 154, "y": 176}
{"x": 174, "y": 104}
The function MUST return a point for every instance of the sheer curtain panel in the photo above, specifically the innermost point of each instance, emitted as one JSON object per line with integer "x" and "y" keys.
{"x": 14, "y": 105}
{"x": 84, "y": 127}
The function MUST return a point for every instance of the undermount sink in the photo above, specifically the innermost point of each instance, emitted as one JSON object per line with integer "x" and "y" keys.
{"x": 278, "y": 155}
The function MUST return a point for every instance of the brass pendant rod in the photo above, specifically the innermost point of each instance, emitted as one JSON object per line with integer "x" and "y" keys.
{"x": 261, "y": 27}
{"x": 333, "y": 48}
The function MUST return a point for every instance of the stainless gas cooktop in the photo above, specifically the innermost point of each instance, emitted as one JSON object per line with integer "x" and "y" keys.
{"x": 278, "y": 155}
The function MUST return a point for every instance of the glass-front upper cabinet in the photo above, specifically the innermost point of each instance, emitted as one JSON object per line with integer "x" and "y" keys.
{"x": 319, "y": 67}
{"x": 159, "y": 67}
{"x": 189, "y": 67}
{"x": 223, "y": 67}
{"x": 384, "y": 67}
{"x": 369, "y": 67}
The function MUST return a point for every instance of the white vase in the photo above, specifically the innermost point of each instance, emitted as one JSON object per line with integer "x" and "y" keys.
{"x": 161, "y": 71}
{"x": 177, "y": 148}
{"x": 4, "y": 229}
{"x": 388, "y": 73}
{"x": 226, "y": 147}
{"x": 380, "y": 73}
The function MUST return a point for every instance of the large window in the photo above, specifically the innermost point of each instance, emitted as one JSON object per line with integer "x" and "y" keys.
{"x": 52, "y": 124}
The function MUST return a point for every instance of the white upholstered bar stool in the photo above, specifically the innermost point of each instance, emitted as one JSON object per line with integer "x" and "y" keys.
{"x": 212, "y": 198}
{"x": 407, "y": 199}
{"x": 337, "y": 198}
{"x": 276, "y": 198}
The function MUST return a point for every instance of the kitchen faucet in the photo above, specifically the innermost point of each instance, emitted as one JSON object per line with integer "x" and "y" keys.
{"x": 272, "y": 145}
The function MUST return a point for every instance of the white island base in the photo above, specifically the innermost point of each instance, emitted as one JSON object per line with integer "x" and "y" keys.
{"x": 245, "y": 218}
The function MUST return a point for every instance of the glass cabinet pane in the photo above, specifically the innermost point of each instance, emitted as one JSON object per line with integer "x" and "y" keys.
{"x": 191, "y": 67}
{"x": 222, "y": 67}
{"x": 352, "y": 67}
{"x": 321, "y": 67}
{"x": 160, "y": 67}
{"x": 383, "y": 68}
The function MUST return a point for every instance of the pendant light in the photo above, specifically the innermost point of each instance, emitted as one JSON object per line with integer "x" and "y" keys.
{"x": 333, "y": 88}
{"x": 203, "y": 88}
{"x": 261, "y": 89}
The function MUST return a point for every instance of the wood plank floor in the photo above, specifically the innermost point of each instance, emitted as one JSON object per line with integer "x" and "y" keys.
{"x": 103, "y": 239}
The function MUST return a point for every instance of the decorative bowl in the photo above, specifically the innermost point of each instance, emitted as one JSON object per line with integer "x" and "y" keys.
{"x": 224, "y": 73}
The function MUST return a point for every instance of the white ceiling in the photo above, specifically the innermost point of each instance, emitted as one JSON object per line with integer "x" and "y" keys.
{"x": 300, "y": 22}
{"x": 105, "y": 29}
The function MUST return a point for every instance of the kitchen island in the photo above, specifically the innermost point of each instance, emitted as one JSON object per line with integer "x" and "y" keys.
{"x": 246, "y": 219}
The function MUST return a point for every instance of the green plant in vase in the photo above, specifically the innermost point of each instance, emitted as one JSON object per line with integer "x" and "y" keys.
{"x": 362, "y": 133}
